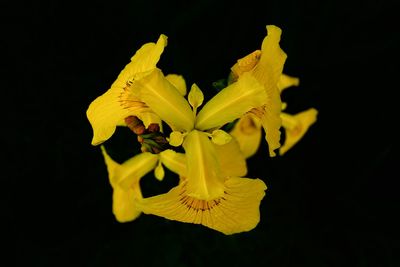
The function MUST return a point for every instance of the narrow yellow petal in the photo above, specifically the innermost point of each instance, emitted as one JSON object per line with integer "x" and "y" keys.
{"x": 111, "y": 166}
{"x": 231, "y": 103}
{"x": 237, "y": 210}
{"x": 174, "y": 161}
{"x": 286, "y": 81}
{"x": 159, "y": 172}
{"x": 231, "y": 159}
{"x": 220, "y": 137}
{"x": 204, "y": 175}
{"x": 296, "y": 126}
{"x": 165, "y": 100}
{"x": 247, "y": 132}
{"x": 178, "y": 81}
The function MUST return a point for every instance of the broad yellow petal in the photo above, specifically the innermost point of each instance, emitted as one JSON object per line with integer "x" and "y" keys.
{"x": 231, "y": 159}
{"x": 166, "y": 101}
{"x": 120, "y": 101}
{"x": 204, "y": 175}
{"x": 286, "y": 81}
{"x": 296, "y": 126}
{"x": 237, "y": 210}
{"x": 247, "y": 132}
{"x": 231, "y": 103}
{"x": 178, "y": 82}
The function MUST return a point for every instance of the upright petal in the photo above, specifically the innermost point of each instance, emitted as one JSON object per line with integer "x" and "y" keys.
{"x": 231, "y": 103}
{"x": 247, "y": 132}
{"x": 203, "y": 169}
{"x": 237, "y": 210}
{"x": 296, "y": 126}
{"x": 165, "y": 100}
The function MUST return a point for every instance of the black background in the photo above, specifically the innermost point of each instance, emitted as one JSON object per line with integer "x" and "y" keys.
{"x": 331, "y": 201}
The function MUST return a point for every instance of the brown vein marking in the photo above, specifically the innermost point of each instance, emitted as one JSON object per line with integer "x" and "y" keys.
{"x": 259, "y": 111}
{"x": 198, "y": 204}
{"x": 127, "y": 101}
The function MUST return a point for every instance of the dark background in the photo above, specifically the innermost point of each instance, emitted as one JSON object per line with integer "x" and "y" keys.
{"x": 331, "y": 201}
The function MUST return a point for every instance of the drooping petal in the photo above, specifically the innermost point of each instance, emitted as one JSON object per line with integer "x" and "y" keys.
{"x": 110, "y": 109}
{"x": 124, "y": 198}
{"x": 203, "y": 169}
{"x": 296, "y": 126}
{"x": 247, "y": 132}
{"x": 178, "y": 82}
{"x": 165, "y": 100}
{"x": 231, "y": 103}
{"x": 286, "y": 81}
{"x": 237, "y": 210}
{"x": 231, "y": 159}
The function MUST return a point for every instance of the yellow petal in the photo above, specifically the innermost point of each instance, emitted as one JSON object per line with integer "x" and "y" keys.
{"x": 176, "y": 138}
{"x": 132, "y": 170}
{"x": 166, "y": 101}
{"x": 125, "y": 206}
{"x": 246, "y": 63}
{"x": 178, "y": 81}
{"x": 231, "y": 103}
{"x": 286, "y": 81}
{"x": 220, "y": 137}
{"x": 237, "y": 210}
{"x": 204, "y": 176}
{"x": 268, "y": 72}
{"x": 296, "y": 126}
{"x": 247, "y": 132}
{"x": 231, "y": 159}
{"x": 119, "y": 102}
{"x": 159, "y": 172}
{"x": 124, "y": 199}
{"x": 174, "y": 161}
{"x": 195, "y": 97}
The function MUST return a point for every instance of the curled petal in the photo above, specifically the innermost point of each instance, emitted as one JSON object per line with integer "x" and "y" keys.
{"x": 296, "y": 126}
{"x": 237, "y": 210}
{"x": 247, "y": 132}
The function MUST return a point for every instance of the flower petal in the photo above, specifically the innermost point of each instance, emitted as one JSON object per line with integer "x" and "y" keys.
{"x": 247, "y": 132}
{"x": 231, "y": 159}
{"x": 286, "y": 81}
{"x": 174, "y": 161}
{"x": 195, "y": 97}
{"x": 165, "y": 100}
{"x": 237, "y": 210}
{"x": 296, "y": 126}
{"x": 220, "y": 137}
{"x": 231, "y": 103}
{"x": 204, "y": 175}
{"x": 178, "y": 81}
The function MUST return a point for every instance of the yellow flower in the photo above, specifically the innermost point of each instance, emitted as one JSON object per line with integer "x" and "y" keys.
{"x": 237, "y": 207}
{"x": 121, "y": 101}
{"x": 266, "y": 67}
